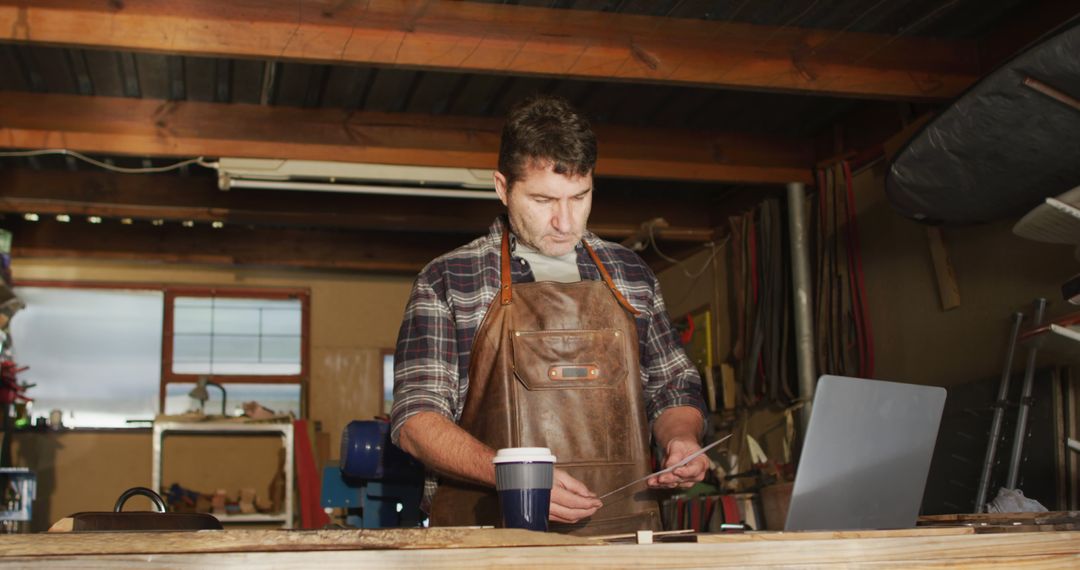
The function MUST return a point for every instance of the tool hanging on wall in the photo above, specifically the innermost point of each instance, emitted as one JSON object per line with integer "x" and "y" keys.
{"x": 763, "y": 306}
{"x": 842, "y": 324}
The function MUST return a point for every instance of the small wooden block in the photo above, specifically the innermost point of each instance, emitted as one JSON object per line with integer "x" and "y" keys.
{"x": 63, "y": 525}
{"x": 948, "y": 289}
{"x": 730, "y": 390}
{"x": 247, "y": 501}
{"x": 217, "y": 504}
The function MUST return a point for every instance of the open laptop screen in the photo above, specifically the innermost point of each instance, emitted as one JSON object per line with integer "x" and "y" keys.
{"x": 866, "y": 455}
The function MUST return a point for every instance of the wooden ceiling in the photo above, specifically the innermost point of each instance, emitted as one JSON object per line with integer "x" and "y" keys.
{"x": 699, "y": 106}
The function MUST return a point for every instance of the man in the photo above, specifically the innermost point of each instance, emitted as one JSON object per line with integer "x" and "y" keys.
{"x": 542, "y": 335}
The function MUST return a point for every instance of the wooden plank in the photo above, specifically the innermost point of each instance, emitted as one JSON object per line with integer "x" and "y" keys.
{"x": 1023, "y": 550}
{"x": 731, "y": 389}
{"x": 231, "y": 246}
{"x": 896, "y": 142}
{"x": 187, "y": 128}
{"x": 835, "y": 534}
{"x": 948, "y": 289}
{"x": 487, "y": 558}
{"x": 1001, "y": 518}
{"x": 113, "y": 196}
{"x": 242, "y": 540}
{"x": 493, "y": 38}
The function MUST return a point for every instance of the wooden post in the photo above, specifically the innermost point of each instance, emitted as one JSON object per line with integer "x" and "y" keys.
{"x": 948, "y": 289}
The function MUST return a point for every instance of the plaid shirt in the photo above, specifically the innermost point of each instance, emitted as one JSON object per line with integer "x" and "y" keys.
{"x": 452, "y": 294}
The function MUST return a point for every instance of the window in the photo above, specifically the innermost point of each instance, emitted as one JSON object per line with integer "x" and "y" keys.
{"x": 93, "y": 354}
{"x": 388, "y": 380}
{"x": 108, "y": 355}
{"x": 227, "y": 336}
{"x": 236, "y": 336}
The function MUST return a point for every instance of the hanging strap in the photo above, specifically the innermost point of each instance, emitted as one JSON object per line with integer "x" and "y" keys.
{"x": 607, "y": 280}
{"x": 505, "y": 292}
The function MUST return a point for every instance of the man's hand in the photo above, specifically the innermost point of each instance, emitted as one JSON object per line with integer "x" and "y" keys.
{"x": 685, "y": 476}
{"x": 571, "y": 500}
{"x": 677, "y": 431}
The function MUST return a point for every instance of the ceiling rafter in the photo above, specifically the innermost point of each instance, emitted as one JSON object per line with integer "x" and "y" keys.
{"x": 109, "y": 195}
{"x": 189, "y": 128}
{"x": 517, "y": 40}
{"x": 168, "y": 217}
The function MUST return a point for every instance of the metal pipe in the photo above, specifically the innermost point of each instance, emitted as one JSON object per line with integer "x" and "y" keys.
{"x": 1025, "y": 398}
{"x": 1052, "y": 92}
{"x": 999, "y": 415}
{"x": 801, "y": 295}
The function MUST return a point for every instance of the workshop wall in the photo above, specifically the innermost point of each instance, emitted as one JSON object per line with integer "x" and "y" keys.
{"x": 353, "y": 318}
{"x": 997, "y": 274}
{"x": 915, "y": 340}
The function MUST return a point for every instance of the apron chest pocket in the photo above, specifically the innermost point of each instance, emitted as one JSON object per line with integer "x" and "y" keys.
{"x": 569, "y": 359}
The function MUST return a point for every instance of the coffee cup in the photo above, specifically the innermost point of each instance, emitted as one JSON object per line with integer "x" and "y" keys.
{"x": 523, "y": 478}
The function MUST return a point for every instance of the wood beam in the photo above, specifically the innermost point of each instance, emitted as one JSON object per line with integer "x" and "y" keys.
{"x": 230, "y": 246}
{"x": 187, "y": 128}
{"x": 304, "y": 248}
{"x": 111, "y": 196}
{"x": 167, "y": 197}
{"x": 493, "y": 38}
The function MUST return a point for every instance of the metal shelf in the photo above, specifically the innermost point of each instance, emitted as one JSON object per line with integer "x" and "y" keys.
{"x": 1059, "y": 340}
{"x": 1057, "y": 220}
{"x": 285, "y": 430}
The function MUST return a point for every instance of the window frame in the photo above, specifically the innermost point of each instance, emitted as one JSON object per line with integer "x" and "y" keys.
{"x": 383, "y": 353}
{"x": 274, "y": 293}
{"x": 170, "y": 292}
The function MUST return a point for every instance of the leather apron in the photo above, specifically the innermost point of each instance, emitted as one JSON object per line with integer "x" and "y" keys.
{"x": 556, "y": 365}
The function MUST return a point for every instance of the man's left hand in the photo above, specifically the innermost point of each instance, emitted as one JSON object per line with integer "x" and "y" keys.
{"x": 685, "y": 476}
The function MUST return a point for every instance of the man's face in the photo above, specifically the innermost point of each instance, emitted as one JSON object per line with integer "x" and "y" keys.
{"x": 548, "y": 211}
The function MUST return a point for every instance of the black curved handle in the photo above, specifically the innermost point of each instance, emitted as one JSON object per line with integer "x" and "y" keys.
{"x": 148, "y": 493}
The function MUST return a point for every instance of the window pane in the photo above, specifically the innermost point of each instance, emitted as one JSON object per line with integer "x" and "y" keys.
{"x": 283, "y": 321}
{"x": 95, "y": 354}
{"x": 192, "y": 349}
{"x": 236, "y": 349}
{"x": 281, "y": 349}
{"x": 192, "y": 320}
{"x": 241, "y": 337}
{"x": 236, "y": 320}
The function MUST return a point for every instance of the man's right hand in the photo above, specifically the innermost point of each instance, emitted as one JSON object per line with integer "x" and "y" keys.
{"x": 571, "y": 500}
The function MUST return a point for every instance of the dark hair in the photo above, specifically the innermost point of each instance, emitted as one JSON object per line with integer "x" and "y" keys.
{"x": 546, "y": 128}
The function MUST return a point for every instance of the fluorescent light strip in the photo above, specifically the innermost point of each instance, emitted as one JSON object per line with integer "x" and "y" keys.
{"x": 362, "y": 189}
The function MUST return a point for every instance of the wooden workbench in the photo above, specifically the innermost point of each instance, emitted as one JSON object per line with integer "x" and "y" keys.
{"x": 489, "y": 548}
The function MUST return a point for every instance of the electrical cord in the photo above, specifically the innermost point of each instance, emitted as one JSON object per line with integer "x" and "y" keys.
{"x": 694, "y": 275}
{"x": 201, "y": 161}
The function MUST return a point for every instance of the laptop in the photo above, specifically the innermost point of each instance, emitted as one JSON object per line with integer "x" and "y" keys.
{"x": 866, "y": 455}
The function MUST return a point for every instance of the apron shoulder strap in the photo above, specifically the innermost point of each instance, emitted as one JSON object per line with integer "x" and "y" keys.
{"x": 506, "y": 294}
{"x": 607, "y": 281}
{"x": 504, "y": 289}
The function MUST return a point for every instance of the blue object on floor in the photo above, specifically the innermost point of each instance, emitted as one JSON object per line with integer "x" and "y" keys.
{"x": 377, "y": 483}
